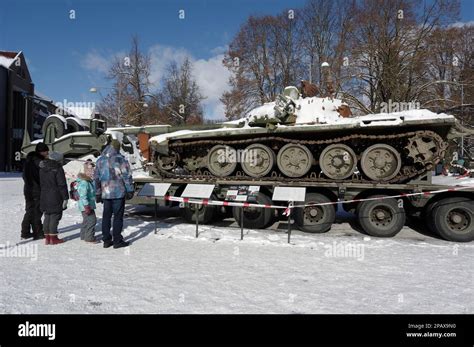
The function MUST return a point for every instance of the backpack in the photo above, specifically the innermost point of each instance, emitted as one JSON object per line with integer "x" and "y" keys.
{"x": 73, "y": 193}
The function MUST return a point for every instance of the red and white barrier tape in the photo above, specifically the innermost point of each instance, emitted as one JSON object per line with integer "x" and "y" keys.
{"x": 288, "y": 208}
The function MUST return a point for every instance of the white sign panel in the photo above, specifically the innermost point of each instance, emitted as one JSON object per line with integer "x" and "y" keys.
{"x": 289, "y": 194}
{"x": 199, "y": 191}
{"x": 154, "y": 189}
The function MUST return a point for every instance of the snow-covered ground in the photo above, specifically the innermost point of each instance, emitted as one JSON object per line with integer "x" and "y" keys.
{"x": 173, "y": 272}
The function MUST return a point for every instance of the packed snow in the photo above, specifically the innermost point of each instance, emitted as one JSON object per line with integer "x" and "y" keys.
{"x": 6, "y": 62}
{"x": 171, "y": 271}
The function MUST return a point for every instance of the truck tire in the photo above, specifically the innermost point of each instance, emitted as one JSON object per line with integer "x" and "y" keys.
{"x": 255, "y": 217}
{"x": 453, "y": 219}
{"x": 73, "y": 125}
{"x": 316, "y": 219}
{"x": 381, "y": 218}
{"x": 355, "y": 225}
{"x": 56, "y": 123}
{"x": 205, "y": 213}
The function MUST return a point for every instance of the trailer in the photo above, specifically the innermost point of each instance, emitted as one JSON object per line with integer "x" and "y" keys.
{"x": 379, "y": 210}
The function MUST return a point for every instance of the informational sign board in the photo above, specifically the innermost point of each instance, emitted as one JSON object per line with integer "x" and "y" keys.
{"x": 241, "y": 193}
{"x": 154, "y": 189}
{"x": 289, "y": 194}
{"x": 198, "y": 191}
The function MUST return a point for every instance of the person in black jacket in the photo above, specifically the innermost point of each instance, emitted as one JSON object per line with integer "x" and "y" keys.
{"x": 31, "y": 191}
{"x": 54, "y": 195}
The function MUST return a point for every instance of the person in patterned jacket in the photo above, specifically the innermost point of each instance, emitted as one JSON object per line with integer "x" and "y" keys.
{"x": 114, "y": 185}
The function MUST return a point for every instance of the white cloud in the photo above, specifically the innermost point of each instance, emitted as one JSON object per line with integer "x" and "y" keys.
{"x": 461, "y": 24}
{"x": 212, "y": 77}
{"x": 210, "y": 74}
{"x": 94, "y": 61}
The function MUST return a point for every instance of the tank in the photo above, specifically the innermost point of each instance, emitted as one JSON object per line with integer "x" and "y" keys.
{"x": 313, "y": 138}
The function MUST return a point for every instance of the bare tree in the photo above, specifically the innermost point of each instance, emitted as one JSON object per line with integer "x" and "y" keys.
{"x": 389, "y": 47}
{"x": 264, "y": 57}
{"x": 130, "y": 76}
{"x": 180, "y": 97}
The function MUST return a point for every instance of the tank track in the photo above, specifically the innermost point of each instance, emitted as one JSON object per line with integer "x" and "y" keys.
{"x": 407, "y": 172}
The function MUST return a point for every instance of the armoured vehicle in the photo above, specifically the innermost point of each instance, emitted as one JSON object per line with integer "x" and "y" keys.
{"x": 307, "y": 139}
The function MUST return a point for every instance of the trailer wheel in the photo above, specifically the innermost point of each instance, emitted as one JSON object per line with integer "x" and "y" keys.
{"x": 381, "y": 218}
{"x": 255, "y": 217}
{"x": 56, "y": 123}
{"x": 315, "y": 219}
{"x": 205, "y": 212}
{"x": 355, "y": 225}
{"x": 453, "y": 219}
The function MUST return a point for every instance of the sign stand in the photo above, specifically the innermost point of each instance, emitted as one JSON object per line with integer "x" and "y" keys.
{"x": 242, "y": 224}
{"x": 289, "y": 194}
{"x": 198, "y": 191}
{"x": 196, "y": 215}
{"x": 156, "y": 215}
{"x": 156, "y": 191}
{"x": 290, "y": 209}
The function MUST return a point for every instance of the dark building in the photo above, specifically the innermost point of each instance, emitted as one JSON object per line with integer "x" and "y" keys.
{"x": 15, "y": 108}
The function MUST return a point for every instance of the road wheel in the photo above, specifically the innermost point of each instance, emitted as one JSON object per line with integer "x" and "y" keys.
{"x": 453, "y": 219}
{"x": 381, "y": 218}
{"x": 222, "y": 160}
{"x": 381, "y": 162}
{"x": 256, "y": 217}
{"x": 315, "y": 219}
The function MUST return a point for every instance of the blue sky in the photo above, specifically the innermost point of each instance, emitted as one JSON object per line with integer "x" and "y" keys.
{"x": 67, "y": 57}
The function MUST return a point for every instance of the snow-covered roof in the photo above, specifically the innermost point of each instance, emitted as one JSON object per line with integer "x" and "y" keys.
{"x": 82, "y": 112}
{"x": 8, "y": 58}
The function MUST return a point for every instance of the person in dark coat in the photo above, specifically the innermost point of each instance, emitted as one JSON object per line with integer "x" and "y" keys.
{"x": 31, "y": 191}
{"x": 54, "y": 195}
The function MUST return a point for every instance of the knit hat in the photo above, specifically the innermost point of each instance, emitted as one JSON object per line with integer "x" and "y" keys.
{"x": 89, "y": 168}
{"x": 115, "y": 144}
{"x": 41, "y": 147}
{"x": 56, "y": 156}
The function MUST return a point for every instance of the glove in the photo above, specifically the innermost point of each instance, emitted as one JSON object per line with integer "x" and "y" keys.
{"x": 128, "y": 195}
{"x": 88, "y": 210}
{"x": 64, "y": 205}
{"x": 98, "y": 199}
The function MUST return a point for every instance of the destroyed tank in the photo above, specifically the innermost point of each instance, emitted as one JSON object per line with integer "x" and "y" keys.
{"x": 314, "y": 139}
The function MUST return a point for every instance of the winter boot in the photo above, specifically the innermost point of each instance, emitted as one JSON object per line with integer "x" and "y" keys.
{"x": 121, "y": 244}
{"x": 108, "y": 243}
{"x": 53, "y": 240}
{"x": 25, "y": 236}
{"x": 38, "y": 236}
{"x": 47, "y": 240}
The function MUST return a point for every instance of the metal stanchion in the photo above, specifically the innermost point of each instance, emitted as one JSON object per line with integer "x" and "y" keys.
{"x": 242, "y": 223}
{"x": 196, "y": 214}
{"x": 156, "y": 214}
{"x": 290, "y": 207}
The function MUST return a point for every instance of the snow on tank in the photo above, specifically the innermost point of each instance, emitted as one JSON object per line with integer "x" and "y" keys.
{"x": 309, "y": 138}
